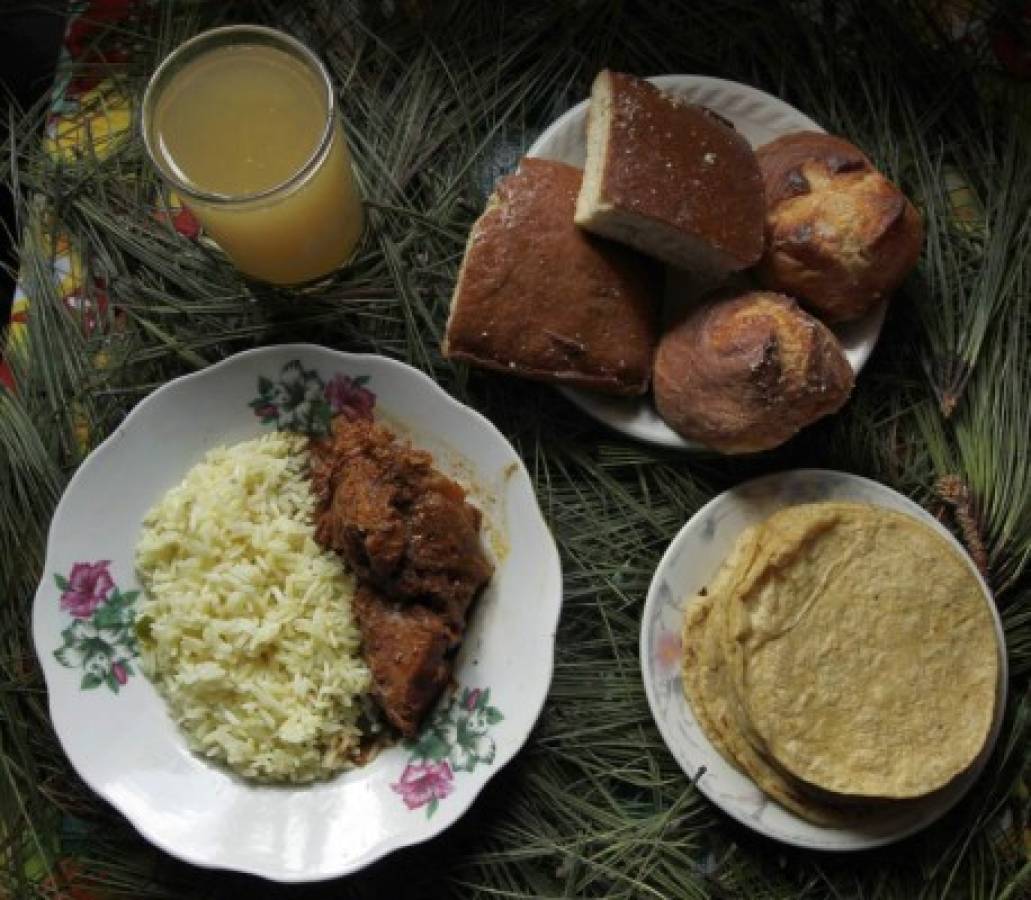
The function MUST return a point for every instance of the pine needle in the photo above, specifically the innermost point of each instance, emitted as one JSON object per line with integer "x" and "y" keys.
{"x": 438, "y": 99}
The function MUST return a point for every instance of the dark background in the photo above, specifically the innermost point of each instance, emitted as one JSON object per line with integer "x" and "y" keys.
{"x": 30, "y": 37}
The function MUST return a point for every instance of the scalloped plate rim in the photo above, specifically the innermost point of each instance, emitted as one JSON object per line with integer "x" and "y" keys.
{"x": 448, "y": 813}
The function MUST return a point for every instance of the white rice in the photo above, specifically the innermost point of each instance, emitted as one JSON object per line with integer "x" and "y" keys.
{"x": 247, "y": 627}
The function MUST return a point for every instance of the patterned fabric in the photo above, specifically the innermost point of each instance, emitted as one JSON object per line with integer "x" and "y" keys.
{"x": 87, "y": 114}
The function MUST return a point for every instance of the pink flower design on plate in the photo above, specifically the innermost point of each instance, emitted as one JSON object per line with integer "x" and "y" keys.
{"x": 346, "y": 395}
{"x": 88, "y": 587}
{"x": 471, "y": 699}
{"x": 118, "y": 670}
{"x": 668, "y": 650}
{"x": 423, "y": 783}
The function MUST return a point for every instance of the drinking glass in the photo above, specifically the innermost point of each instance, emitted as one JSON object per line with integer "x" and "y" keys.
{"x": 242, "y": 123}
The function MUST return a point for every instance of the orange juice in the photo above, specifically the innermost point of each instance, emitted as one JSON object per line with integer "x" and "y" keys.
{"x": 248, "y": 134}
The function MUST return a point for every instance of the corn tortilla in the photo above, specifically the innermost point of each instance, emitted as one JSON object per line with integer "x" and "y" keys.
{"x": 707, "y": 687}
{"x": 863, "y": 652}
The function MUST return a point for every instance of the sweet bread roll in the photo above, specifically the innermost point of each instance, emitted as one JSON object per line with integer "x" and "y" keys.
{"x": 674, "y": 180}
{"x": 745, "y": 372}
{"x": 539, "y": 298}
{"x": 839, "y": 236}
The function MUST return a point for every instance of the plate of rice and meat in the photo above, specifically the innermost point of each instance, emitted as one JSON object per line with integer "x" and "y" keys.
{"x": 296, "y": 611}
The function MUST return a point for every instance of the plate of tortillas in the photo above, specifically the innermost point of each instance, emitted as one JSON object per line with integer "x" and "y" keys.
{"x": 824, "y": 660}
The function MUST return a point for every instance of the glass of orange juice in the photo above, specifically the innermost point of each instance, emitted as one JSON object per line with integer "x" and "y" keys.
{"x": 242, "y": 123}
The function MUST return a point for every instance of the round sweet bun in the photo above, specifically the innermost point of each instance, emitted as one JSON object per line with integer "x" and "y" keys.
{"x": 839, "y": 236}
{"x": 744, "y": 372}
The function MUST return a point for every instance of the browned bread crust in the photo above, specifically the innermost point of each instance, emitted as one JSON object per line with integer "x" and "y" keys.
{"x": 537, "y": 297}
{"x": 839, "y": 235}
{"x": 672, "y": 179}
{"x": 745, "y": 372}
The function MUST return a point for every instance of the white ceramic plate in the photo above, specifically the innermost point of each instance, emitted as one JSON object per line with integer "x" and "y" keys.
{"x": 760, "y": 118}
{"x": 113, "y": 724}
{"x": 690, "y": 562}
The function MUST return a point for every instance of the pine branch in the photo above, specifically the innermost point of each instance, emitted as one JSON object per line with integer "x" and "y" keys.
{"x": 438, "y": 99}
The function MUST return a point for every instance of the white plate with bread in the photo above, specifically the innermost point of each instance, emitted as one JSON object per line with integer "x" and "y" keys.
{"x": 693, "y": 262}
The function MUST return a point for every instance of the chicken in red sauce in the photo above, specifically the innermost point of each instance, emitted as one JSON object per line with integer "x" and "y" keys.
{"x": 414, "y": 542}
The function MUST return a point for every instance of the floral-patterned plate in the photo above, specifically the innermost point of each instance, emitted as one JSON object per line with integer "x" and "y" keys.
{"x": 760, "y": 117}
{"x": 113, "y": 724}
{"x": 691, "y": 560}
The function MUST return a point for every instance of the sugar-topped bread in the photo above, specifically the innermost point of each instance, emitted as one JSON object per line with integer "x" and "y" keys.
{"x": 672, "y": 179}
{"x": 539, "y": 298}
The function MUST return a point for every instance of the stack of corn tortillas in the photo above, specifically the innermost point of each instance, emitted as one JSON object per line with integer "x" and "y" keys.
{"x": 843, "y": 657}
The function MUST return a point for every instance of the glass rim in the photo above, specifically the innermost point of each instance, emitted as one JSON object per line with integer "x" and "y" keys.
{"x": 271, "y": 36}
